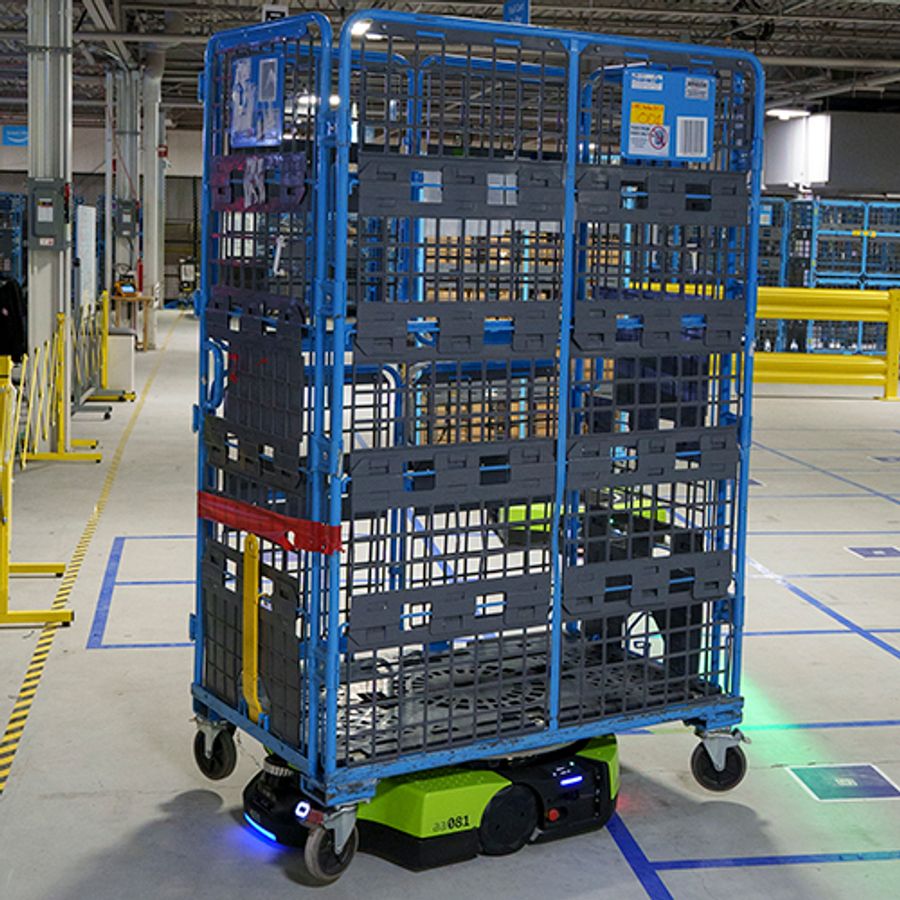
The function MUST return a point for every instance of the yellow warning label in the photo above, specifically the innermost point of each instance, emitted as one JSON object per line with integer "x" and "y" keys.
{"x": 648, "y": 113}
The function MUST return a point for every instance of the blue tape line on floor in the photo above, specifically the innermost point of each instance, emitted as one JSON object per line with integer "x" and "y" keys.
{"x": 814, "y": 468}
{"x": 860, "y": 496}
{"x": 156, "y": 583}
{"x": 814, "y": 533}
{"x": 149, "y": 645}
{"x": 824, "y": 726}
{"x": 101, "y": 615}
{"x": 798, "y": 859}
{"x": 797, "y": 632}
{"x": 643, "y": 869}
{"x": 843, "y": 575}
{"x": 825, "y": 608}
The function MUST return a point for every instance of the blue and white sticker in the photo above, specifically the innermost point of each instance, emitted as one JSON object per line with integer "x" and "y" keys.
{"x": 257, "y": 101}
{"x": 668, "y": 115}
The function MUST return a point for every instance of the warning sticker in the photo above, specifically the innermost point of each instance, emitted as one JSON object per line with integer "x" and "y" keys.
{"x": 696, "y": 88}
{"x": 648, "y": 140}
{"x": 668, "y": 115}
{"x": 648, "y": 113}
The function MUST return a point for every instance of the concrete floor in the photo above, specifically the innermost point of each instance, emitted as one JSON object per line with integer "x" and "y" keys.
{"x": 103, "y": 800}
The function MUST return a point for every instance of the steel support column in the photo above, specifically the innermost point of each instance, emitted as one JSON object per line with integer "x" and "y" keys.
{"x": 153, "y": 193}
{"x": 50, "y": 157}
{"x": 126, "y": 143}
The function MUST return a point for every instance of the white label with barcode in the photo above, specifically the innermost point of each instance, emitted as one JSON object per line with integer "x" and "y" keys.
{"x": 691, "y": 136}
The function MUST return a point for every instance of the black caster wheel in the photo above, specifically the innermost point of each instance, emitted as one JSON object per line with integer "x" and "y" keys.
{"x": 709, "y": 777}
{"x": 509, "y": 821}
{"x": 323, "y": 864}
{"x": 224, "y": 755}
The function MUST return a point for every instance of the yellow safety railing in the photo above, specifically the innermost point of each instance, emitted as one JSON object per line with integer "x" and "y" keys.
{"x": 87, "y": 353}
{"x": 104, "y": 394}
{"x": 45, "y": 386}
{"x": 881, "y": 371}
{"x": 10, "y": 413}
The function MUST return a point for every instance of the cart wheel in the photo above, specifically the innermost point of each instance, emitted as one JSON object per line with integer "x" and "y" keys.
{"x": 509, "y": 821}
{"x": 322, "y": 863}
{"x": 224, "y": 755}
{"x": 709, "y": 777}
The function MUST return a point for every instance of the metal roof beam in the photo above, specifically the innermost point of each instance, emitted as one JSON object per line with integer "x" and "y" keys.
{"x": 103, "y": 18}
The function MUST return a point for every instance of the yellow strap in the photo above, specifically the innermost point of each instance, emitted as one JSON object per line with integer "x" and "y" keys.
{"x": 250, "y": 642}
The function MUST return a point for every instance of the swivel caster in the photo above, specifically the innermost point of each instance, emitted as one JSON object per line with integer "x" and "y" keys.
{"x": 215, "y": 753}
{"x": 718, "y": 763}
{"x": 323, "y": 863}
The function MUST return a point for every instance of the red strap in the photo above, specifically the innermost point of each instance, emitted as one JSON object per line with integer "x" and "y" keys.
{"x": 289, "y": 533}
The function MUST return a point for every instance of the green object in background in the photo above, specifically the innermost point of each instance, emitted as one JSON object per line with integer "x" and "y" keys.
{"x": 540, "y": 514}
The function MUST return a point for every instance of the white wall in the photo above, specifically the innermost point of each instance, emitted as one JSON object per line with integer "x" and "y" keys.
{"x": 185, "y": 153}
{"x": 797, "y": 152}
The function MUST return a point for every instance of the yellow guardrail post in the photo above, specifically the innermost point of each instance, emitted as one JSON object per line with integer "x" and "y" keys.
{"x": 10, "y": 409}
{"x": 250, "y": 631}
{"x": 893, "y": 347}
{"x": 881, "y": 371}
{"x": 104, "y": 342}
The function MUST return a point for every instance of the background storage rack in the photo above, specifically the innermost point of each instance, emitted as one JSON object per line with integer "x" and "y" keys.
{"x": 473, "y": 409}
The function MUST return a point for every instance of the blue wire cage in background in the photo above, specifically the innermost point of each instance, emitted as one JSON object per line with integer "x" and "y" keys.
{"x": 474, "y": 305}
{"x": 12, "y": 240}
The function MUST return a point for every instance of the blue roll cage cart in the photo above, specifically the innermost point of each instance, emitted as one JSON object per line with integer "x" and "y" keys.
{"x": 477, "y": 318}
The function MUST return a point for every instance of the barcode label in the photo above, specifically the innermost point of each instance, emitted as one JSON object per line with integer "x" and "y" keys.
{"x": 691, "y": 140}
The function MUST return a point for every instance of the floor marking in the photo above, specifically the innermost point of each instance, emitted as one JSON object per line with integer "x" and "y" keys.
{"x": 797, "y": 859}
{"x": 823, "y": 607}
{"x": 874, "y": 552}
{"x": 856, "y": 484}
{"x": 814, "y": 533}
{"x": 830, "y": 783}
{"x": 108, "y": 586}
{"x": 827, "y": 575}
{"x": 644, "y": 870}
{"x": 9, "y": 743}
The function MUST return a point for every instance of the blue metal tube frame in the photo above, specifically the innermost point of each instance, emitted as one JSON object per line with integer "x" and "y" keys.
{"x": 355, "y": 783}
{"x": 320, "y": 312}
{"x": 348, "y": 783}
{"x": 210, "y": 394}
{"x": 746, "y": 417}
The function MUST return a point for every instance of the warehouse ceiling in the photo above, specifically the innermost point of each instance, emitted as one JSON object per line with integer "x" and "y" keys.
{"x": 818, "y": 54}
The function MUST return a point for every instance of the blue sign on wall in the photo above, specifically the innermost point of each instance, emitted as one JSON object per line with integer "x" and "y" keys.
{"x": 668, "y": 115}
{"x": 15, "y": 135}
{"x": 517, "y": 11}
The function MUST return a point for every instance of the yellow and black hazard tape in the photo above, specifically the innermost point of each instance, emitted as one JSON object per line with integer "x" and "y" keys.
{"x": 9, "y": 743}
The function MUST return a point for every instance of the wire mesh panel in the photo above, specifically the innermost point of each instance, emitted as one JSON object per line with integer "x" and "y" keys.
{"x": 261, "y": 188}
{"x": 800, "y": 244}
{"x": 539, "y": 514}
{"x": 12, "y": 236}
{"x": 652, "y": 441}
{"x": 883, "y": 245}
{"x": 839, "y": 235}
{"x": 451, "y": 407}
{"x": 774, "y": 228}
